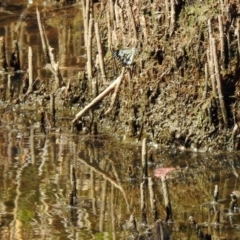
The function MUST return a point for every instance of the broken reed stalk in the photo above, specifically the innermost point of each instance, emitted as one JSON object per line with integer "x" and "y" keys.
{"x": 238, "y": 36}
{"x": 85, "y": 22}
{"x": 143, "y": 202}
{"x": 206, "y": 82}
{"x": 210, "y": 59}
{"x": 100, "y": 53}
{"x": 222, "y": 41}
{"x": 89, "y": 50}
{"x": 110, "y": 31}
{"x": 219, "y": 84}
{"x": 173, "y": 14}
{"x": 48, "y": 55}
{"x": 144, "y": 26}
{"x": 114, "y": 96}
{"x": 132, "y": 20}
{"x": 3, "y": 60}
{"x": 216, "y": 193}
{"x": 167, "y": 202}
{"x": 152, "y": 199}
{"x": 10, "y": 86}
{"x": 43, "y": 40}
{"x": 30, "y": 71}
{"x": 100, "y": 97}
{"x": 167, "y": 12}
{"x": 121, "y": 26}
{"x": 144, "y": 159}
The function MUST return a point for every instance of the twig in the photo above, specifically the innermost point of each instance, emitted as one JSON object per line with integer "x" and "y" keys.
{"x": 144, "y": 159}
{"x": 100, "y": 53}
{"x": 30, "y": 70}
{"x": 99, "y": 97}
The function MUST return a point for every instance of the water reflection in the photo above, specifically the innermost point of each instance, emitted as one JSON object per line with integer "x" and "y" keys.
{"x": 36, "y": 176}
{"x": 18, "y": 28}
{"x": 37, "y": 180}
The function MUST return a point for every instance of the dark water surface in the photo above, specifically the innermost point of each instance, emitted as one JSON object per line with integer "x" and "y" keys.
{"x": 36, "y": 169}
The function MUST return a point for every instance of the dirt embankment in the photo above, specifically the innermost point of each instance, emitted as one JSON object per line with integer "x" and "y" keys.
{"x": 182, "y": 88}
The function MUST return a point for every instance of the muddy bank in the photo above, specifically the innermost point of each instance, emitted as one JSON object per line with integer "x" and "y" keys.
{"x": 180, "y": 90}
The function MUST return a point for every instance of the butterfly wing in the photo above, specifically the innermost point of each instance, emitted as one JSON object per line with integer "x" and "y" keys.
{"x": 125, "y": 56}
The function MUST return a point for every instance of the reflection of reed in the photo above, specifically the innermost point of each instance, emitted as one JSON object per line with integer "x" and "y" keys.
{"x": 106, "y": 176}
{"x": 112, "y": 208}
{"x": 16, "y": 230}
{"x": 92, "y": 155}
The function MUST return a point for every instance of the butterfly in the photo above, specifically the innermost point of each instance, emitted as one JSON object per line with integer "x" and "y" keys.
{"x": 125, "y": 55}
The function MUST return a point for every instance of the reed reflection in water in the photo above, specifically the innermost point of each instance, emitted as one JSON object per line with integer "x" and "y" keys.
{"x": 39, "y": 173}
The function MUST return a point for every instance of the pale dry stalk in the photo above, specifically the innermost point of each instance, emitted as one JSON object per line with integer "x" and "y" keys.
{"x": 219, "y": 84}
{"x": 100, "y": 53}
{"x": 99, "y": 98}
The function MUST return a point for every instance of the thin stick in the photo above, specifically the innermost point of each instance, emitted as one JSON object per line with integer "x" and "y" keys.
{"x": 238, "y": 36}
{"x": 30, "y": 70}
{"x": 222, "y": 41}
{"x": 43, "y": 40}
{"x": 219, "y": 84}
{"x": 132, "y": 20}
{"x": 210, "y": 59}
{"x": 144, "y": 159}
{"x": 114, "y": 97}
{"x": 99, "y": 97}
{"x": 100, "y": 53}
{"x": 89, "y": 50}
{"x": 152, "y": 199}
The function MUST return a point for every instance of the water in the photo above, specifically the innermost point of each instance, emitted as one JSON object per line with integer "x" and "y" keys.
{"x": 36, "y": 169}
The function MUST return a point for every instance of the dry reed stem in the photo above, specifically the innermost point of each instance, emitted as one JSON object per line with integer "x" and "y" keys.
{"x": 219, "y": 84}
{"x": 144, "y": 158}
{"x": 101, "y": 96}
{"x": 238, "y": 36}
{"x": 43, "y": 40}
{"x": 100, "y": 53}
{"x": 89, "y": 50}
{"x": 132, "y": 20}
{"x": 152, "y": 198}
{"x": 222, "y": 41}
{"x": 114, "y": 97}
{"x": 30, "y": 70}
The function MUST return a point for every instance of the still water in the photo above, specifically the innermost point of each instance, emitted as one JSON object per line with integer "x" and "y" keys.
{"x": 40, "y": 173}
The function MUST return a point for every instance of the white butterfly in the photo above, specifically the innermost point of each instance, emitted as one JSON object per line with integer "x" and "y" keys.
{"x": 125, "y": 55}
